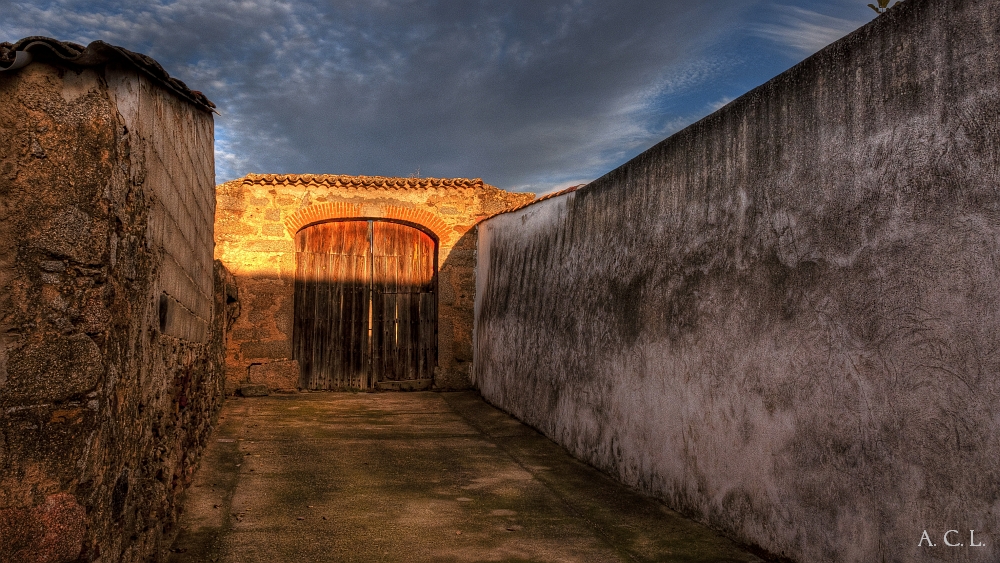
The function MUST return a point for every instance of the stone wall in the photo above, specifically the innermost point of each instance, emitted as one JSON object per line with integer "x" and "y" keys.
{"x": 259, "y": 215}
{"x": 110, "y": 368}
{"x": 783, "y": 320}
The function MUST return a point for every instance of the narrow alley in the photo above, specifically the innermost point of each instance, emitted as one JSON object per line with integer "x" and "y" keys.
{"x": 319, "y": 477}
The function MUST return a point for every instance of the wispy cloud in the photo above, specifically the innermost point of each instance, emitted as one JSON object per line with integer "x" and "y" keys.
{"x": 720, "y": 103}
{"x": 524, "y": 94}
{"x": 806, "y": 31}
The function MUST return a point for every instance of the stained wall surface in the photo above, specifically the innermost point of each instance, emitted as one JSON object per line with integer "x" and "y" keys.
{"x": 255, "y": 225}
{"x": 112, "y": 312}
{"x": 783, "y": 320}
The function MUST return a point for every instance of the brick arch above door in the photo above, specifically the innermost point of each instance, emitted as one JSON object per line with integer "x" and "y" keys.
{"x": 322, "y": 212}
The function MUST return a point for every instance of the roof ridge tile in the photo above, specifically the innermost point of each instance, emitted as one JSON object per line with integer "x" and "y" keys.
{"x": 363, "y": 182}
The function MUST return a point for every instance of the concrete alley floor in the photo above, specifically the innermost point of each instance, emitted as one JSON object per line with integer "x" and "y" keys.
{"x": 319, "y": 477}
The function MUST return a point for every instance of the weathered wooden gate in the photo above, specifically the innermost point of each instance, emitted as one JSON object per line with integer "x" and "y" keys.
{"x": 365, "y": 306}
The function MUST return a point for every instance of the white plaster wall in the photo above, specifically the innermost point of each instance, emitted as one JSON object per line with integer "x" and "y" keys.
{"x": 783, "y": 320}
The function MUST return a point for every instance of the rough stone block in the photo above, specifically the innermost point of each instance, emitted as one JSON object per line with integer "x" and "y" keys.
{"x": 270, "y": 246}
{"x": 52, "y": 368}
{"x": 52, "y": 532}
{"x": 274, "y": 230}
{"x": 277, "y": 375}
{"x": 266, "y": 350}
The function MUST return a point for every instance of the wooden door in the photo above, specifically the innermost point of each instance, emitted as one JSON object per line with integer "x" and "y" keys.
{"x": 365, "y": 306}
{"x": 332, "y": 305}
{"x": 404, "y": 330}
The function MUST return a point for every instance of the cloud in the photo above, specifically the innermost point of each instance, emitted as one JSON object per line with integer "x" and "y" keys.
{"x": 806, "y": 31}
{"x": 524, "y": 94}
{"x": 720, "y": 103}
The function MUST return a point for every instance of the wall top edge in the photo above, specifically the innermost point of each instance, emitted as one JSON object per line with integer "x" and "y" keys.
{"x": 65, "y": 53}
{"x": 537, "y": 200}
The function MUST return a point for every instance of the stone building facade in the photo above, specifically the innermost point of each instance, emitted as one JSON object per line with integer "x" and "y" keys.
{"x": 256, "y": 224}
{"x": 112, "y": 310}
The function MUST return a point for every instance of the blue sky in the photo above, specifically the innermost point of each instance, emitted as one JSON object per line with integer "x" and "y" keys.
{"x": 529, "y": 95}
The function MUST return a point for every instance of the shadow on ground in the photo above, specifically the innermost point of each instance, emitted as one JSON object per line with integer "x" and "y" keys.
{"x": 414, "y": 477}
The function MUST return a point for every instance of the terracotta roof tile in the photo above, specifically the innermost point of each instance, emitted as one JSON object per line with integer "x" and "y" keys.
{"x": 21, "y": 53}
{"x": 362, "y": 182}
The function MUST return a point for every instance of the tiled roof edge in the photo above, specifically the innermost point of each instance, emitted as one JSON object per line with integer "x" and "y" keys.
{"x": 361, "y": 182}
{"x": 24, "y": 51}
{"x": 536, "y": 200}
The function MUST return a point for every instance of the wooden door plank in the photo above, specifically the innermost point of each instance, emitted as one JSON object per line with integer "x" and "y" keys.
{"x": 330, "y": 267}
{"x": 406, "y": 270}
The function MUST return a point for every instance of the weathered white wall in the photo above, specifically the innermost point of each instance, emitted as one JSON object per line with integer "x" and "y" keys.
{"x": 783, "y": 320}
